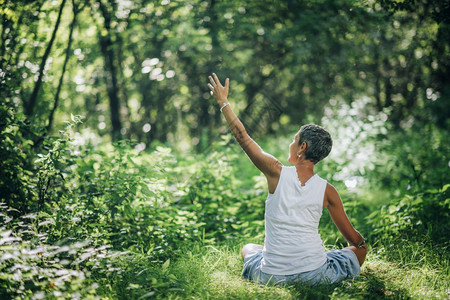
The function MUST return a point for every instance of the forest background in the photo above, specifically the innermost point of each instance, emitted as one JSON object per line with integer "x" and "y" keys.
{"x": 119, "y": 178}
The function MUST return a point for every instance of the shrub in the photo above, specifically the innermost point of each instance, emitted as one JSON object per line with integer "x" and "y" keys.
{"x": 29, "y": 266}
{"x": 414, "y": 217}
{"x": 16, "y": 168}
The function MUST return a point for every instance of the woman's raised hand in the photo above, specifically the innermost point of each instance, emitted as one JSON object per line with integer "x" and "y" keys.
{"x": 218, "y": 91}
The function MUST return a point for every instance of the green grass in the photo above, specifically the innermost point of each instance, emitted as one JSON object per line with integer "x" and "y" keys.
{"x": 207, "y": 272}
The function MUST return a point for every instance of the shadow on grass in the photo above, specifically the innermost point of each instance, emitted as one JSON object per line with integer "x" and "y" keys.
{"x": 374, "y": 287}
{"x": 369, "y": 285}
{"x": 302, "y": 291}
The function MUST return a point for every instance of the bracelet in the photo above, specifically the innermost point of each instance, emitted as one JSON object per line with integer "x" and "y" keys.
{"x": 223, "y": 106}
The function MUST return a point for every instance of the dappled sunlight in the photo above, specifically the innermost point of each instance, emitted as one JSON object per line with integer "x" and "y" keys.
{"x": 121, "y": 179}
{"x": 395, "y": 280}
{"x": 352, "y": 182}
{"x": 353, "y": 129}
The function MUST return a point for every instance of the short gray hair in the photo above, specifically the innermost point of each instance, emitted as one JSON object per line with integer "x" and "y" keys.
{"x": 318, "y": 142}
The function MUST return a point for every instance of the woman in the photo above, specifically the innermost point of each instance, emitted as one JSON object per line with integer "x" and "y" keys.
{"x": 293, "y": 250}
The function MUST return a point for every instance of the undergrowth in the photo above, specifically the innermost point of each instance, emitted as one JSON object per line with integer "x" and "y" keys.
{"x": 110, "y": 222}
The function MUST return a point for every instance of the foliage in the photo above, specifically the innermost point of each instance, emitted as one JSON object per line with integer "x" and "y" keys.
{"x": 113, "y": 217}
{"x": 96, "y": 203}
{"x": 52, "y": 164}
{"x": 30, "y": 267}
{"x": 413, "y": 159}
{"x": 16, "y": 169}
{"x": 83, "y": 218}
{"x": 285, "y": 63}
{"x": 415, "y": 217}
{"x": 215, "y": 196}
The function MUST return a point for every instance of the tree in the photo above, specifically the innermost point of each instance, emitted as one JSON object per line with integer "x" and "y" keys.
{"x": 77, "y": 7}
{"x": 30, "y": 105}
{"x": 107, "y": 47}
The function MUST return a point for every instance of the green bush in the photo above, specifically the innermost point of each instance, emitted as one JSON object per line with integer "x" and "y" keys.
{"x": 412, "y": 159}
{"x": 29, "y": 266}
{"x": 16, "y": 168}
{"x": 213, "y": 193}
{"x": 416, "y": 217}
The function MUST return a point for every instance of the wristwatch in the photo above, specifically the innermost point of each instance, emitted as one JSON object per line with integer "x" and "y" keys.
{"x": 360, "y": 245}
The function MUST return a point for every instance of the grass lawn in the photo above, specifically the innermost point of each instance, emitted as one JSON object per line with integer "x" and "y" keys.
{"x": 215, "y": 273}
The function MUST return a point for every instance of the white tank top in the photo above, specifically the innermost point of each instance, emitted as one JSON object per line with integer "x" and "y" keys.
{"x": 292, "y": 243}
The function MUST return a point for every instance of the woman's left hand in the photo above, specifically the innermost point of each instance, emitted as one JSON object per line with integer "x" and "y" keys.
{"x": 218, "y": 91}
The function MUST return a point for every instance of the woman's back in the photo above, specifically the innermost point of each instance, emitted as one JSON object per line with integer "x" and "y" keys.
{"x": 293, "y": 244}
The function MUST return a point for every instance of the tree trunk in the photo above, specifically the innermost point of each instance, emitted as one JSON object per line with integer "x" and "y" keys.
{"x": 378, "y": 75}
{"x": 106, "y": 46}
{"x": 205, "y": 119}
{"x": 66, "y": 59}
{"x": 215, "y": 54}
{"x": 29, "y": 108}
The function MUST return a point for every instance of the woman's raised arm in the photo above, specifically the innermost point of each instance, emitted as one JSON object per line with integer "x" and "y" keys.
{"x": 265, "y": 162}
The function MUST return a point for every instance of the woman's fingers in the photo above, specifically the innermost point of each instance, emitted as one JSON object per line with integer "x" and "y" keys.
{"x": 216, "y": 79}
{"x": 211, "y": 88}
{"x": 216, "y": 87}
{"x": 212, "y": 81}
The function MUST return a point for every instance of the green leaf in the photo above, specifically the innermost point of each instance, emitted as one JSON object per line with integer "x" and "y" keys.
{"x": 165, "y": 265}
{"x": 147, "y": 295}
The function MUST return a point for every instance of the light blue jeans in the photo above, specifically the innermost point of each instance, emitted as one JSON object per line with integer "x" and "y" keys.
{"x": 340, "y": 265}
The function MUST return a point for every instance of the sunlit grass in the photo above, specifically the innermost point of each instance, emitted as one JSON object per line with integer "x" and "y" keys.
{"x": 215, "y": 272}
{"x": 209, "y": 272}
{"x": 402, "y": 281}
